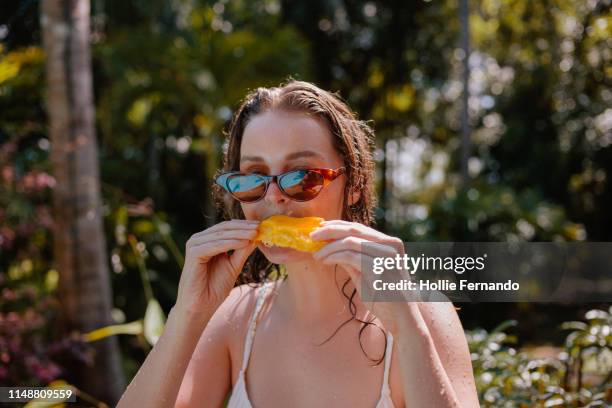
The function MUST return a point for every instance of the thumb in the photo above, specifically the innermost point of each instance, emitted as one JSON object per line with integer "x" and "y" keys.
{"x": 239, "y": 256}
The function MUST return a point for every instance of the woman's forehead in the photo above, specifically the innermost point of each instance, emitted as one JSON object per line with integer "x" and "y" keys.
{"x": 286, "y": 135}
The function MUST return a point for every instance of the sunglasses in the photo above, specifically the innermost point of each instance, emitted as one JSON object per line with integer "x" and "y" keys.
{"x": 298, "y": 185}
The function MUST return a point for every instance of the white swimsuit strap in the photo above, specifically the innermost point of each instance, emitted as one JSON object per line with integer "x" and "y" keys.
{"x": 388, "y": 359}
{"x": 253, "y": 324}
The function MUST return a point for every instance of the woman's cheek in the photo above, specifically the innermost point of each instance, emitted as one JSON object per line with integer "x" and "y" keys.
{"x": 250, "y": 213}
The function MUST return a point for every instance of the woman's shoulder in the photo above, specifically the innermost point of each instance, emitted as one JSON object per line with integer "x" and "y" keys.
{"x": 239, "y": 303}
{"x": 233, "y": 315}
{"x": 232, "y": 319}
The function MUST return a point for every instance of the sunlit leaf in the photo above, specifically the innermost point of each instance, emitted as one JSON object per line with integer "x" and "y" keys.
{"x": 504, "y": 325}
{"x": 134, "y": 328}
{"x": 596, "y": 314}
{"x": 574, "y": 326}
{"x": 154, "y": 322}
{"x": 51, "y": 280}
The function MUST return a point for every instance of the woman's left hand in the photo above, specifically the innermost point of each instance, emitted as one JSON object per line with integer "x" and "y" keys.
{"x": 354, "y": 245}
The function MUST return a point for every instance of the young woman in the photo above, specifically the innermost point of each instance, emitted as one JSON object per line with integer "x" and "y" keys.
{"x": 305, "y": 340}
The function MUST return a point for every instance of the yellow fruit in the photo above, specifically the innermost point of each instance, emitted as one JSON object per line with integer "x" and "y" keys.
{"x": 290, "y": 232}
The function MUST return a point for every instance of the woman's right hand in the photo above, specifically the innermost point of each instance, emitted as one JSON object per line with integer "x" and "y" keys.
{"x": 210, "y": 272}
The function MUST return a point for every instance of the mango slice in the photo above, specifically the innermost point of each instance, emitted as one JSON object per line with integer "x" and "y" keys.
{"x": 290, "y": 232}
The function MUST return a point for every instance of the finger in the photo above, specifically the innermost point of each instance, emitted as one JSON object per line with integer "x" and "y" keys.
{"x": 337, "y": 226}
{"x": 206, "y": 251}
{"x": 332, "y": 230}
{"x": 329, "y": 222}
{"x": 352, "y": 243}
{"x": 239, "y": 257}
{"x": 347, "y": 257}
{"x": 373, "y": 249}
{"x": 354, "y": 263}
{"x": 248, "y": 234}
{"x": 230, "y": 225}
{"x": 337, "y": 229}
{"x": 227, "y": 227}
{"x": 355, "y": 276}
{"x": 354, "y": 273}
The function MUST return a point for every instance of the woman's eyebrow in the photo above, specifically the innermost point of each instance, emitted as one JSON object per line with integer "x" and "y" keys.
{"x": 291, "y": 156}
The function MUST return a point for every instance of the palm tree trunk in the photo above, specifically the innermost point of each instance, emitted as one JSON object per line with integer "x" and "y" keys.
{"x": 79, "y": 244}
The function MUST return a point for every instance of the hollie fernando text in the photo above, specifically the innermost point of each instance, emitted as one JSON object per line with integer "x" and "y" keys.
{"x": 444, "y": 285}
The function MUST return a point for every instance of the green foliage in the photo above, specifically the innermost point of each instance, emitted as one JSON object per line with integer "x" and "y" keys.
{"x": 579, "y": 376}
{"x": 484, "y": 211}
{"x": 166, "y": 92}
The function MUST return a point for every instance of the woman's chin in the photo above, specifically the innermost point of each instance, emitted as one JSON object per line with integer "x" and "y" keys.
{"x": 280, "y": 255}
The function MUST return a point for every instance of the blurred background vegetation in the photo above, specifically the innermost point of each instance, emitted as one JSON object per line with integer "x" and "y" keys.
{"x": 167, "y": 76}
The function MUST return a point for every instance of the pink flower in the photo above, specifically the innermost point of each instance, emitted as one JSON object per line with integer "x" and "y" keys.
{"x": 45, "y": 180}
{"x": 8, "y": 295}
{"x": 8, "y": 174}
{"x": 44, "y": 217}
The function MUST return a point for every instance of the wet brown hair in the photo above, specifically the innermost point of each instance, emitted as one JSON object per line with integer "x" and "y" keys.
{"x": 353, "y": 139}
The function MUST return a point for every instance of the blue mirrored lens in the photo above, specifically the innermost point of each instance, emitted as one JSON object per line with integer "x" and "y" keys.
{"x": 302, "y": 184}
{"x": 246, "y": 187}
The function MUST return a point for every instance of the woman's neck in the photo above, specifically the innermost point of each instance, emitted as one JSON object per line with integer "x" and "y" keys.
{"x": 313, "y": 293}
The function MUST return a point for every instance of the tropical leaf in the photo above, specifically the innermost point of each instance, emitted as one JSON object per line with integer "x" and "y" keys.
{"x": 135, "y": 328}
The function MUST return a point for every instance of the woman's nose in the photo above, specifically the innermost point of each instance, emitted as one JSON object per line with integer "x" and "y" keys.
{"x": 274, "y": 193}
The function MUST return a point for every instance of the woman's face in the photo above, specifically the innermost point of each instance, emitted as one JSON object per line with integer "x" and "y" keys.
{"x": 275, "y": 142}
